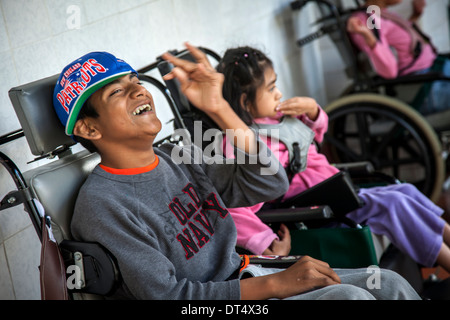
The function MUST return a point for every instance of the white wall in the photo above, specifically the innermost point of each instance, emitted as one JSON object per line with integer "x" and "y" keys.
{"x": 36, "y": 42}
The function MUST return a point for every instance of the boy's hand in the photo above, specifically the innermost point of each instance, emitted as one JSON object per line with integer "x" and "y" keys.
{"x": 200, "y": 82}
{"x": 299, "y": 105}
{"x": 202, "y": 85}
{"x": 305, "y": 275}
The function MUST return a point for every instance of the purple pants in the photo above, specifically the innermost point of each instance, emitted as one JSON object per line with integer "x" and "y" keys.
{"x": 408, "y": 218}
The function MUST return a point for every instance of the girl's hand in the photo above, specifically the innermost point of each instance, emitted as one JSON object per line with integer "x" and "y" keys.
{"x": 280, "y": 247}
{"x": 355, "y": 25}
{"x": 418, "y": 7}
{"x": 299, "y": 105}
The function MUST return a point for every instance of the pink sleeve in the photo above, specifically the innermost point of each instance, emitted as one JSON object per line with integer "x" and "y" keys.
{"x": 252, "y": 233}
{"x": 319, "y": 126}
{"x": 384, "y": 61}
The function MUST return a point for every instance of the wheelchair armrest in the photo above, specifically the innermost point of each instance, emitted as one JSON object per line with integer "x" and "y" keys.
{"x": 274, "y": 261}
{"x": 411, "y": 78}
{"x": 295, "y": 214}
{"x": 337, "y": 192}
{"x": 365, "y": 170}
{"x": 94, "y": 268}
{"x": 356, "y": 168}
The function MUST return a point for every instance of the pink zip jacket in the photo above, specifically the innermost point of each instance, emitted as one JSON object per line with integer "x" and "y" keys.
{"x": 252, "y": 233}
{"x": 383, "y": 59}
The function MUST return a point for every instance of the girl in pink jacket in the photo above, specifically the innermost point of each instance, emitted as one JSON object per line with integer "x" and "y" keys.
{"x": 410, "y": 220}
{"x": 395, "y": 48}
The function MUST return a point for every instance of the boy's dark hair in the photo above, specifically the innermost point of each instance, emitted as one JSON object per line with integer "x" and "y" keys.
{"x": 87, "y": 110}
{"x": 243, "y": 68}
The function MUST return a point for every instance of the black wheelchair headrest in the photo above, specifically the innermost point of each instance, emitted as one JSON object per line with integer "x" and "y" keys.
{"x": 33, "y": 104}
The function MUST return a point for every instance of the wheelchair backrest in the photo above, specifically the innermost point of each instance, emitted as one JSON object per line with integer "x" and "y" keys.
{"x": 56, "y": 183}
{"x": 33, "y": 104}
{"x": 356, "y": 64}
{"x": 331, "y": 21}
{"x": 56, "y": 186}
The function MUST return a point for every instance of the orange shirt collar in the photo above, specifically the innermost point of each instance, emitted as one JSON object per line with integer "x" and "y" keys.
{"x": 132, "y": 171}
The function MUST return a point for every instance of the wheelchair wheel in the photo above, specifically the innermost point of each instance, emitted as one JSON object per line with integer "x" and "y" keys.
{"x": 391, "y": 135}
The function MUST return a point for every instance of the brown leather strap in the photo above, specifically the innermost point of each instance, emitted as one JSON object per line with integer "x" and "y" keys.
{"x": 52, "y": 269}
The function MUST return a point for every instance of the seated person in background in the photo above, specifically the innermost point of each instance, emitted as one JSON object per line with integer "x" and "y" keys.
{"x": 165, "y": 223}
{"x": 414, "y": 53}
{"x": 411, "y": 221}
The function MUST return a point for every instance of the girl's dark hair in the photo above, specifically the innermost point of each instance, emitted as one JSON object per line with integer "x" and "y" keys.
{"x": 243, "y": 68}
{"x": 87, "y": 110}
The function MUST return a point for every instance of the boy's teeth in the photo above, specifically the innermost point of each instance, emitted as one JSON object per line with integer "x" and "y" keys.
{"x": 139, "y": 109}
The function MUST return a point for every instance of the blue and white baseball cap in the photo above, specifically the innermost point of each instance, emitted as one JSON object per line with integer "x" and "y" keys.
{"x": 80, "y": 79}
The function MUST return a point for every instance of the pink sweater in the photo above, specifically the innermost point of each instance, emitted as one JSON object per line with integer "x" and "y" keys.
{"x": 385, "y": 63}
{"x": 252, "y": 233}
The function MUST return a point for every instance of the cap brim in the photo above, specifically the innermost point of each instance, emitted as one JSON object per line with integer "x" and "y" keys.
{"x": 73, "y": 116}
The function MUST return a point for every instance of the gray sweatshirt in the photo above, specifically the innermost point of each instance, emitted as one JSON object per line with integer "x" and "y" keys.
{"x": 169, "y": 228}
